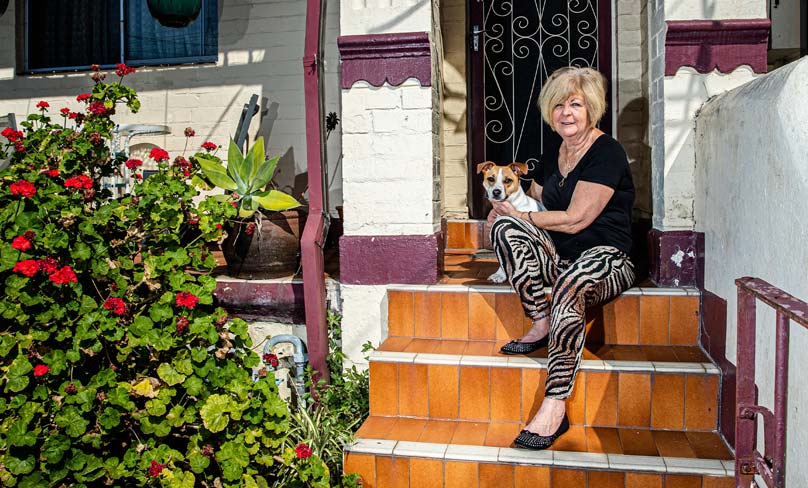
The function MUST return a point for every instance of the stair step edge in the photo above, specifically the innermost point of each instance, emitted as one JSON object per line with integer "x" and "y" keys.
{"x": 541, "y": 363}
{"x": 566, "y": 459}
{"x": 505, "y": 288}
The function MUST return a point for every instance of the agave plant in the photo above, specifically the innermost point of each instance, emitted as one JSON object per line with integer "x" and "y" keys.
{"x": 246, "y": 177}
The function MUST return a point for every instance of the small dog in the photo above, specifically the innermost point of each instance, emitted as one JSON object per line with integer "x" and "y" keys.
{"x": 502, "y": 183}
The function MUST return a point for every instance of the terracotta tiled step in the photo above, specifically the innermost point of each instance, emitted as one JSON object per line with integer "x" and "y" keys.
{"x": 465, "y": 234}
{"x": 393, "y": 463}
{"x": 647, "y": 316}
{"x": 645, "y": 394}
{"x": 608, "y": 440}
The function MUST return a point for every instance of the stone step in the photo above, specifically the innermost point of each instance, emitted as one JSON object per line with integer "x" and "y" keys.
{"x": 674, "y": 394}
{"x": 400, "y": 463}
{"x": 645, "y": 316}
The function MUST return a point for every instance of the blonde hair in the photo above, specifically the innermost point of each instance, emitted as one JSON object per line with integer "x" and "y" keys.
{"x": 590, "y": 84}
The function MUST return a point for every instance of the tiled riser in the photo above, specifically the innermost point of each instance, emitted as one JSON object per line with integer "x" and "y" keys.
{"x": 413, "y": 472}
{"x": 487, "y": 315}
{"x": 466, "y": 235}
{"x": 503, "y": 394}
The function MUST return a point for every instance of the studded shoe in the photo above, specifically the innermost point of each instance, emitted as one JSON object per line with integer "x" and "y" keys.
{"x": 531, "y": 440}
{"x": 518, "y": 347}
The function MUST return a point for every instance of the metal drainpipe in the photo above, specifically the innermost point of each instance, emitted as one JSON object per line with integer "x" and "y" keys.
{"x": 299, "y": 357}
{"x": 313, "y": 237}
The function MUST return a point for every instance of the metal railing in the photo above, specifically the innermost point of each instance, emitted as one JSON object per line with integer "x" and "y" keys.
{"x": 771, "y": 465}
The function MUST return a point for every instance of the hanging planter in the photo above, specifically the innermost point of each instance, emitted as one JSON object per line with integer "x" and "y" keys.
{"x": 3, "y": 7}
{"x": 173, "y": 13}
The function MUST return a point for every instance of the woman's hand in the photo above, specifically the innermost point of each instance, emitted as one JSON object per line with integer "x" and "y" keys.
{"x": 503, "y": 208}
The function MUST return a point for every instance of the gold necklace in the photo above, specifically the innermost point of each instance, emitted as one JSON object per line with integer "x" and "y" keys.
{"x": 566, "y": 163}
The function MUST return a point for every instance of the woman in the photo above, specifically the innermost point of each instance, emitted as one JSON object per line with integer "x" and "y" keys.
{"x": 579, "y": 246}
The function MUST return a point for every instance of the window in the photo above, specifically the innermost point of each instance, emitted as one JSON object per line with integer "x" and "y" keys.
{"x": 73, "y": 34}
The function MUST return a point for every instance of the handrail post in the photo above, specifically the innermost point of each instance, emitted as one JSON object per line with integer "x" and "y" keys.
{"x": 780, "y": 400}
{"x": 745, "y": 424}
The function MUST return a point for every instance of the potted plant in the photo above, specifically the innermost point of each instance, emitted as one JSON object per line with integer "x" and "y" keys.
{"x": 264, "y": 240}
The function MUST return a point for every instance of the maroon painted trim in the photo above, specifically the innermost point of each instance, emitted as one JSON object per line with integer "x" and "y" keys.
{"x": 713, "y": 339}
{"x": 382, "y": 260}
{"x": 391, "y": 58}
{"x": 283, "y": 301}
{"x": 312, "y": 240}
{"x": 716, "y": 44}
{"x": 676, "y": 258}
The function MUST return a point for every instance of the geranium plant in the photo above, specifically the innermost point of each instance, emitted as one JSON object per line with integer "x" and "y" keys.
{"x": 115, "y": 368}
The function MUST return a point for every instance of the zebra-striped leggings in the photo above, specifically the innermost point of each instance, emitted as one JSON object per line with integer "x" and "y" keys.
{"x": 529, "y": 257}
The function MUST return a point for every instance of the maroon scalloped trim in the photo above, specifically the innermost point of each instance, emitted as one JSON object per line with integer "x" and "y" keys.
{"x": 723, "y": 44}
{"x": 380, "y": 58}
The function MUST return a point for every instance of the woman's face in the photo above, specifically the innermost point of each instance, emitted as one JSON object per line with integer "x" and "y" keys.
{"x": 570, "y": 117}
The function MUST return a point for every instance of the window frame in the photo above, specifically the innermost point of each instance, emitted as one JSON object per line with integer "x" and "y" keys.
{"x": 200, "y": 59}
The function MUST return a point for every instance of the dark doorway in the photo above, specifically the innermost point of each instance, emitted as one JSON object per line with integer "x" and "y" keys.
{"x": 513, "y": 47}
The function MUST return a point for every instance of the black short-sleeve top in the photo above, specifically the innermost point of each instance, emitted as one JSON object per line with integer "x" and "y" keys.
{"x": 606, "y": 163}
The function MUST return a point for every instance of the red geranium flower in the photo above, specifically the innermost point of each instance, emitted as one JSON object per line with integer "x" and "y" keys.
{"x": 24, "y": 188}
{"x": 187, "y": 300}
{"x": 48, "y": 265}
{"x": 158, "y": 154}
{"x": 156, "y": 468}
{"x": 64, "y": 275}
{"x": 83, "y": 97}
{"x": 182, "y": 324}
{"x": 137, "y": 176}
{"x": 190, "y": 132}
{"x": 42, "y": 104}
{"x": 21, "y": 243}
{"x": 303, "y": 451}
{"x": 28, "y": 267}
{"x": 97, "y": 108}
{"x": 123, "y": 70}
{"x": 41, "y": 369}
{"x": 209, "y": 146}
{"x": 52, "y": 173}
{"x": 19, "y": 146}
{"x": 64, "y": 111}
{"x": 271, "y": 359}
{"x": 133, "y": 163}
{"x": 80, "y": 181}
{"x": 29, "y": 234}
{"x": 115, "y": 305}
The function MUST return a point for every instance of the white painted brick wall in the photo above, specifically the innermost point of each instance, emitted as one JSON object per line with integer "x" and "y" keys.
{"x": 715, "y": 9}
{"x": 260, "y": 51}
{"x": 385, "y": 16}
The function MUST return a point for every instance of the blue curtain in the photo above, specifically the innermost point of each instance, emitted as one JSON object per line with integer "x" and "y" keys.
{"x": 147, "y": 40}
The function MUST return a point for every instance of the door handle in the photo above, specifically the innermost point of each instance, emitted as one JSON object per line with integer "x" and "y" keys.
{"x": 475, "y": 37}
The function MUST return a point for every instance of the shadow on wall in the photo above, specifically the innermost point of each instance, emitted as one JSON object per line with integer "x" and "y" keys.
{"x": 252, "y": 59}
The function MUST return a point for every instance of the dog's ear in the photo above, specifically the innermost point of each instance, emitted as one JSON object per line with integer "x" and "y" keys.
{"x": 519, "y": 168}
{"x": 484, "y": 166}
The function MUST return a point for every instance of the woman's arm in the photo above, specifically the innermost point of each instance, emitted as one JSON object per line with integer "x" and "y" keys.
{"x": 588, "y": 201}
{"x": 534, "y": 191}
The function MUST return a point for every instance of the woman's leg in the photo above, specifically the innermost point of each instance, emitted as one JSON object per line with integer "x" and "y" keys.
{"x": 529, "y": 258}
{"x": 600, "y": 274}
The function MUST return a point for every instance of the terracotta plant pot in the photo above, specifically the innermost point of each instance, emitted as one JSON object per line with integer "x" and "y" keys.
{"x": 271, "y": 251}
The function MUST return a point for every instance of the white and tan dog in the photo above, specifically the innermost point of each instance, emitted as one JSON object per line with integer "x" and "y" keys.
{"x": 502, "y": 183}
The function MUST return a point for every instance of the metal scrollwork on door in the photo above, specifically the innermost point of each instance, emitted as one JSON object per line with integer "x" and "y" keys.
{"x": 524, "y": 41}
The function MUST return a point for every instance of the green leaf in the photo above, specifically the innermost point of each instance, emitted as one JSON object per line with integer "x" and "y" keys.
{"x": 215, "y": 412}
{"x": 54, "y": 448}
{"x": 81, "y": 251}
{"x": 17, "y": 376}
{"x": 258, "y": 160}
{"x": 71, "y": 421}
{"x": 264, "y": 174}
{"x": 141, "y": 326}
{"x": 198, "y": 462}
{"x": 19, "y": 466}
{"x": 216, "y": 173}
{"x": 19, "y": 435}
{"x": 275, "y": 200}
{"x": 193, "y": 385}
{"x": 156, "y": 407}
{"x": 236, "y": 167}
{"x": 109, "y": 418}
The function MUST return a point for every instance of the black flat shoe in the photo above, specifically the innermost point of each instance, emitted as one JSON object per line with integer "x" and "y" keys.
{"x": 530, "y": 440}
{"x": 518, "y": 347}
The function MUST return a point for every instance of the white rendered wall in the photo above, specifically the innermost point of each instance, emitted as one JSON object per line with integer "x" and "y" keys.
{"x": 260, "y": 52}
{"x": 714, "y": 9}
{"x": 786, "y": 17}
{"x": 384, "y": 16}
{"x": 364, "y": 319}
{"x": 751, "y": 182}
